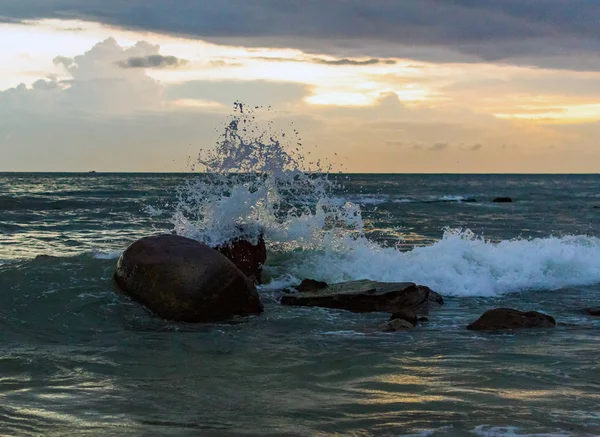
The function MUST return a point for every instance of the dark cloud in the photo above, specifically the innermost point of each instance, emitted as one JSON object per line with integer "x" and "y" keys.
{"x": 152, "y": 61}
{"x": 8, "y": 20}
{"x": 438, "y": 147}
{"x": 527, "y": 32}
{"x": 536, "y": 32}
{"x": 345, "y": 61}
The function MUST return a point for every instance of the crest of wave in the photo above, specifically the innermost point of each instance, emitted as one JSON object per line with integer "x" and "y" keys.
{"x": 258, "y": 181}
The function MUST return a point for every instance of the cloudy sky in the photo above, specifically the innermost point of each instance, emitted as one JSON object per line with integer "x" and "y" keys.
{"x": 387, "y": 85}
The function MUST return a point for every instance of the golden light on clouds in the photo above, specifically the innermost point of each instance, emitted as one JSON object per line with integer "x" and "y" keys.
{"x": 346, "y": 102}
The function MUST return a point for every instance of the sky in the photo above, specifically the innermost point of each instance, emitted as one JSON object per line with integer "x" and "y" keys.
{"x": 412, "y": 86}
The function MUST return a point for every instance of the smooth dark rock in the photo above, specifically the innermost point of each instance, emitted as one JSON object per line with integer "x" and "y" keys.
{"x": 396, "y": 325}
{"x": 310, "y": 285}
{"x": 183, "y": 280}
{"x": 508, "y": 318}
{"x": 247, "y": 257}
{"x": 593, "y": 311}
{"x": 502, "y": 200}
{"x": 368, "y": 296}
{"x": 407, "y": 315}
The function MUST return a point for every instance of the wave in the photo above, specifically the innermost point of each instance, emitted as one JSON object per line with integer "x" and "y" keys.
{"x": 257, "y": 183}
{"x": 460, "y": 264}
{"x": 38, "y": 203}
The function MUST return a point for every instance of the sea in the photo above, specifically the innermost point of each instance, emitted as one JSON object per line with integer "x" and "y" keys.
{"x": 79, "y": 358}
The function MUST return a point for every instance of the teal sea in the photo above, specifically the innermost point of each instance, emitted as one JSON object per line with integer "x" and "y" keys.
{"x": 78, "y": 358}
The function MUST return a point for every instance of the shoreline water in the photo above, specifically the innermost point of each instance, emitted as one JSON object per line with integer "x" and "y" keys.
{"x": 76, "y": 355}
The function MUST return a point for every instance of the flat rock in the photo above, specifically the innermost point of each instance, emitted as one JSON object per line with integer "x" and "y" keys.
{"x": 396, "y": 325}
{"x": 367, "y": 296}
{"x": 183, "y": 280}
{"x": 508, "y": 318}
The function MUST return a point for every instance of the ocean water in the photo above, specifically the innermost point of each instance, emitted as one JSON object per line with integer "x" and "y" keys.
{"x": 77, "y": 358}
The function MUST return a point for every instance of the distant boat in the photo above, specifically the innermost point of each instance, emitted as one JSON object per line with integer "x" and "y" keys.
{"x": 93, "y": 171}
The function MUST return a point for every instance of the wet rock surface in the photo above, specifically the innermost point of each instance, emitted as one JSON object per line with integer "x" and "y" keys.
{"x": 368, "y": 296}
{"x": 509, "y": 318}
{"x": 183, "y": 280}
{"x": 247, "y": 257}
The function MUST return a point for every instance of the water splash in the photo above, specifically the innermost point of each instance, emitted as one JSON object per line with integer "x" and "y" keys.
{"x": 257, "y": 181}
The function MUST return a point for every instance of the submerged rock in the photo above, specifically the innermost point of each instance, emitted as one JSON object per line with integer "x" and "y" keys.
{"x": 407, "y": 315}
{"x": 367, "y": 296}
{"x": 593, "y": 311}
{"x": 183, "y": 280}
{"x": 396, "y": 325}
{"x": 508, "y": 318}
{"x": 247, "y": 257}
{"x": 502, "y": 200}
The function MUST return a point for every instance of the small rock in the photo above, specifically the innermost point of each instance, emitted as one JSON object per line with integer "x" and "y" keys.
{"x": 593, "y": 311}
{"x": 423, "y": 319}
{"x": 508, "y": 318}
{"x": 396, "y": 325}
{"x": 502, "y": 200}
{"x": 407, "y": 315}
{"x": 247, "y": 257}
{"x": 310, "y": 285}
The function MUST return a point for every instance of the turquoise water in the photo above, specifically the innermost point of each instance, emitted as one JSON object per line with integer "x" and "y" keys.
{"x": 77, "y": 358}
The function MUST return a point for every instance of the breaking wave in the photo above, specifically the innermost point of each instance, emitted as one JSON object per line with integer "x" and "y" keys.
{"x": 257, "y": 181}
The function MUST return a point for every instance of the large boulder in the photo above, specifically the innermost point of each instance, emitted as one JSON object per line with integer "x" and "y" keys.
{"x": 247, "y": 257}
{"x": 183, "y": 280}
{"x": 367, "y": 296}
{"x": 508, "y": 318}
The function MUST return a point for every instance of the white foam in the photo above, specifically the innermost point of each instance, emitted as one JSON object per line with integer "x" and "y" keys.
{"x": 461, "y": 264}
{"x": 403, "y": 201}
{"x": 107, "y": 255}
{"x": 512, "y": 431}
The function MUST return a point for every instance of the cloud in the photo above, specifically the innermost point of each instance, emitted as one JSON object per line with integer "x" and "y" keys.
{"x": 345, "y": 61}
{"x": 541, "y": 32}
{"x": 152, "y": 61}
{"x": 257, "y": 92}
{"x": 438, "y": 147}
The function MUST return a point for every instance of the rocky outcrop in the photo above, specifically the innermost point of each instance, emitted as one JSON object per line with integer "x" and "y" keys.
{"x": 247, "y": 257}
{"x": 593, "y": 311}
{"x": 367, "y": 296}
{"x": 508, "y": 318}
{"x": 183, "y": 280}
{"x": 396, "y": 325}
{"x": 502, "y": 200}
